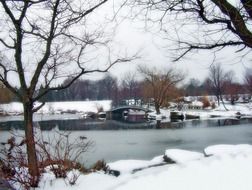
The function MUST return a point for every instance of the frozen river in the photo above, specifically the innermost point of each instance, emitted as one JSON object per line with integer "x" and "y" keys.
{"x": 114, "y": 141}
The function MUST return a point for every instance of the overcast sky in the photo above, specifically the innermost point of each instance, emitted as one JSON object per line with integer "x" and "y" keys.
{"x": 131, "y": 36}
{"x": 153, "y": 53}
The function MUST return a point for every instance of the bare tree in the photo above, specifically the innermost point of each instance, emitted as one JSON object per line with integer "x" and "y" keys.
{"x": 160, "y": 84}
{"x": 206, "y": 24}
{"x": 233, "y": 90}
{"x": 43, "y": 41}
{"x": 218, "y": 80}
{"x": 107, "y": 88}
{"x": 130, "y": 86}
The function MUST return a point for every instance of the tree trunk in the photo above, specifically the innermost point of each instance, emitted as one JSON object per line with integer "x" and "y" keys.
{"x": 218, "y": 99}
{"x": 157, "y": 107}
{"x": 223, "y": 103}
{"x": 30, "y": 144}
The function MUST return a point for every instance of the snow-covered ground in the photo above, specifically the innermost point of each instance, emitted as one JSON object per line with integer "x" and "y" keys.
{"x": 243, "y": 110}
{"x": 228, "y": 168}
{"x": 16, "y": 108}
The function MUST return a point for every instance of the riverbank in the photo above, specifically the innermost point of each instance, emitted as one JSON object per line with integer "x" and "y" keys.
{"x": 219, "y": 167}
{"x": 83, "y": 109}
{"x": 16, "y": 108}
{"x": 239, "y": 110}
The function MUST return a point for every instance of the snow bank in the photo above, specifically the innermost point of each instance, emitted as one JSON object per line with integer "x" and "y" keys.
{"x": 243, "y": 109}
{"x": 225, "y": 174}
{"x": 158, "y": 159}
{"x": 78, "y": 106}
{"x": 182, "y": 156}
{"x": 197, "y": 172}
{"x": 130, "y": 166}
{"x": 218, "y": 150}
{"x": 12, "y": 108}
{"x": 176, "y": 155}
{"x": 165, "y": 114}
{"x": 93, "y": 181}
{"x": 59, "y": 107}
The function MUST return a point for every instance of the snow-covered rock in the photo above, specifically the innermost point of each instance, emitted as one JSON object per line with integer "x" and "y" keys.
{"x": 158, "y": 159}
{"x": 130, "y": 166}
{"x": 182, "y": 156}
{"x": 171, "y": 156}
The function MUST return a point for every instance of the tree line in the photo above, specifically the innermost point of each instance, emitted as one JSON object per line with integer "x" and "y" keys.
{"x": 107, "y": 88}
{"x": 220, "y": 83}
{"x": 153, "y": 84}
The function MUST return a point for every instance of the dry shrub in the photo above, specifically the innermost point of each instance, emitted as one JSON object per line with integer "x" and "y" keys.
{"x": 14, "y": 163}
{"x": 59, "y": 154}
{"x": 100, "y": 165}
{"x": 206, "y": 102}
{"x": 72, "y": 177}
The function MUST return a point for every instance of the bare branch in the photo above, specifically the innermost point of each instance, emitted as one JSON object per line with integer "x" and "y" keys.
{"x": 5, "y": 44}
{"x": 230, "y": 24}
{"x": 81, "y": 15}
{"x": 237, "y": 20}
{"x": 248, "y": 6}
{"x": 84, "y": 71}
{"x": 38, "y": 107}
{"x": 189, "y": 47}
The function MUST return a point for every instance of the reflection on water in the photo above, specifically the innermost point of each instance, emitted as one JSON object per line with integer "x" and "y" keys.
{"x": 83, "y": 124}
{"x": 79, "y": 124}
{"x": 169, "y": 141}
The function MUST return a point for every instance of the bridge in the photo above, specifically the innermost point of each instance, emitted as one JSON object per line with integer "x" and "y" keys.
{"x": 127, "y": 108}
{"x": 122, "y": 113}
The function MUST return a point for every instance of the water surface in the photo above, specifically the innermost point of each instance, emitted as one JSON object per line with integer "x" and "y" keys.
{"x": 115, "y": 141}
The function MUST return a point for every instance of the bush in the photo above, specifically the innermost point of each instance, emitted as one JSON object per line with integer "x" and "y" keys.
{"x": 59, "y": 155}
{"x": 14, "y": 163}
{"x": 206, "y": 102}
{"x": 100, "y": 165}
